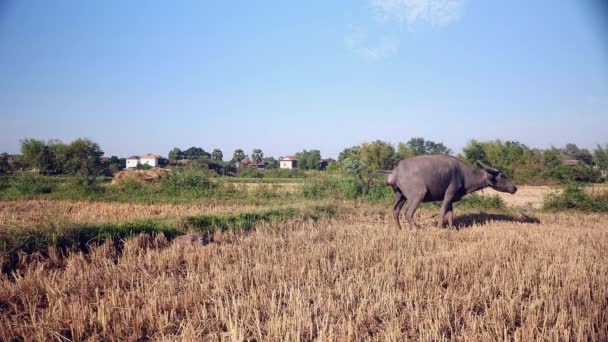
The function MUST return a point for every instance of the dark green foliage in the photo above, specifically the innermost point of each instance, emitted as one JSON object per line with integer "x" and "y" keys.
{"x": 31, "y": 184}
{"x": 243, "y": 220}
{"x": 113, "y": 165}
{"x": 571, "y": 174}
{"x": 217, "y": 155}
{"x": 37, "y": 154}
{"x": 349, "y": 153}
{"x": 600, "y": 155}
{"x": 238, "y": 155}
{"x": 284, "y": 173}
{"x": 309, "y": 160}
{"x": 552, "y": 158}
{"x": 251, "y": 172}
{"x": 476, "y": 201}
{"x": 71, "y": 237}
{"x": 141, "y": 166}
{"x": 271, "y": 163}
{"x": 176, "y": 154}
{"x": 419, "y": 146}
{"x": 575, "y": 198}
{"x": 4, "y": 165}
{"x": 571, "y": 151}
{"x": 82, "y": 156}
{"x": 378, "y": 155}
{"x": 257, "y": 155}
{"x": 187, "y": 181}
{"x": 196, "y": 152}
{"x": 333, "y": 187}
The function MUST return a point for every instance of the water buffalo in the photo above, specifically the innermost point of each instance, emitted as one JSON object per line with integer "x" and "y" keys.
{"x": 429, "y": 178}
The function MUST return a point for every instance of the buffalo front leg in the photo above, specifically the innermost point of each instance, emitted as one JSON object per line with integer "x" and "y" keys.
{"x": 399, "y": 201}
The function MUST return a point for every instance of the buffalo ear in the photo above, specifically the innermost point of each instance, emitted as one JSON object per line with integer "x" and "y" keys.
{"x": 488, "y": 169}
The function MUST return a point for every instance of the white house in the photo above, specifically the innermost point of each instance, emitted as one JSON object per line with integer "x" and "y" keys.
{"x": 149, "y": 159}
{"x": 132, "y": 162}
{"x": 288, "y": 162}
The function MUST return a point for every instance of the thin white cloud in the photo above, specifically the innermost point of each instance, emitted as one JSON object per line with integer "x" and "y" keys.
{"x": 380, "y": 48}
{"x": 435, "y": 12}
{"x": 383, "y": 41}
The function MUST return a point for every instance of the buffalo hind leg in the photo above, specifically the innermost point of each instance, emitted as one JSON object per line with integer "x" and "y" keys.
{"x": 399, "y": 201}
{"x": 411, "y": 209}
{"x": 450, "y": 216}
{"x": 446, "y": 207}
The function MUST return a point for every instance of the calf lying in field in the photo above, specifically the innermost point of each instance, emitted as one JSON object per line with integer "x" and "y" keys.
{"x": 430, "y": 178}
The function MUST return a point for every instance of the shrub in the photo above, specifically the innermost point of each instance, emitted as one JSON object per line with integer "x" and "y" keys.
{"x": 186, "y": 181}
{"x": 251, "y": 172}
{"x": 476, "y": 201}
{"x": 284, "y": 173}
{"x": 30, "y": 184}
{"x": 332, "y": 187}
{"x": 575, "y": 198}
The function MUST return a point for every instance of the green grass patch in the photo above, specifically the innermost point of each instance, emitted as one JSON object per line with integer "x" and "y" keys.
{"x": 248, "y": 220}
{"x": 74, "y": 236}
{"x": 70, "y": 236}
{"x": 475, "y": 201}
{"x": 575, "y": 198}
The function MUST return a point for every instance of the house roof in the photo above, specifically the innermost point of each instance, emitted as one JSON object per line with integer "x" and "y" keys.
{"x": 289, "y": 158}
{"x": 151, "y": 156}
{"x": 133, "y": 157}
{"x": 570, "y": 162}
{"x": 252, "y": 163}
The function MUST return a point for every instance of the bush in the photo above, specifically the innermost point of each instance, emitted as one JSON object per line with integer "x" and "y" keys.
{"x": 186, "y": 181}
{"x": 575, "y": 198}
{"x": 284, "y": 173}
{"x": 333, "y": 187}
{"x": 476, "y": 201}
{"x": 5, "y": 182}
{"x": 251, "y": 172}
{"x": 31, "y": 184}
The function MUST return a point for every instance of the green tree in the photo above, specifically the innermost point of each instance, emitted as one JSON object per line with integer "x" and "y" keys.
{"x": 4, "y": 165}
{"x": 83, "y": 157}
{"x": 584, "y": 156}
{"x": 309, "y": 160}
{"x": 217, "y": 155}
{"x": 257, "y": 155}
{"x": 419, "y": 146}
{"x": 58, "y": 155}
{"x": 238, "y": 155}
{"x": 37, "y": 154}
{"x": 552, "y": 157}
{"x": 349, "y": 153}
{"x": 176, "y": 154}
{"x": 271, "y": 163}
{"x": 570, "y": 150}
{"x": 378, "y": 155}
{"x": 196, "y": 152}
{"x": 600, "y": 155}
{"x": 474, "y": 151}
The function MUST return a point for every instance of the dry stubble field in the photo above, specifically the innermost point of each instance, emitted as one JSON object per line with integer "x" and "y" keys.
{"x": 352, "y": 278}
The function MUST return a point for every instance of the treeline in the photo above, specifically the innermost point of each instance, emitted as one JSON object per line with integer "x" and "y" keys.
{"x": 81, "y": 156}
{"x": 523, "y": 163}
{"x": 520, "y": 162}
{"x": 198, "y": 157}
{"x": 516, "y": 160}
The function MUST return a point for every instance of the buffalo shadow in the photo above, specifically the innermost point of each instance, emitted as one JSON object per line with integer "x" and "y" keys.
{"x": 468, "y": 220}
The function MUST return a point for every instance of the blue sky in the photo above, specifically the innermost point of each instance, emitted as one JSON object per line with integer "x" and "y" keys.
{"x": 145, "y": 76}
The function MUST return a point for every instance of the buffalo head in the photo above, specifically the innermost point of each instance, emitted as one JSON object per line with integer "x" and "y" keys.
{"x": 497, "y": 180}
